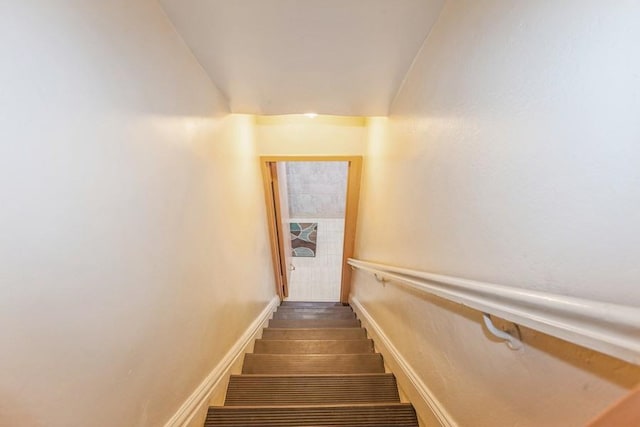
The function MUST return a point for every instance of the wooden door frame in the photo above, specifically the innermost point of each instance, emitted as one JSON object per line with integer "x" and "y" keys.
{"x": 350, "y": 221}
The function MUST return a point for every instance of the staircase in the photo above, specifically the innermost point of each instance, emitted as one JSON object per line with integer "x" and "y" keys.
{"x": 313, "y": 366}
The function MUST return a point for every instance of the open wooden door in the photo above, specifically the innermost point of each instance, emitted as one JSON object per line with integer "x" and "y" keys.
{"x": 278, "y": 218}
{"x": 285, "y": 219}
{"x": 279, "y": 182}
{"x": 278, "y": 227}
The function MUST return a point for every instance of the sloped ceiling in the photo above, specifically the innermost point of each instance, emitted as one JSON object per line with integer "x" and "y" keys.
{"x": 342, "y": 57}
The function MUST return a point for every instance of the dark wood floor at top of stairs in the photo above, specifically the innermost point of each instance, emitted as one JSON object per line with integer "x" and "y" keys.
{"x": 315, "y": 307}
{"x": 305, "y": 314}
{"x": 286, "y": 304}
{"x": 313, "y": 366}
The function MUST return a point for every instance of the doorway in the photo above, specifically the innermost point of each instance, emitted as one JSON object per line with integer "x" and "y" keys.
{"x": 312, "y": 206}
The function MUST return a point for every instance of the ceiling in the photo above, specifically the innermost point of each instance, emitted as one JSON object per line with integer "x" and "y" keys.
{"x": 342, "y": 57}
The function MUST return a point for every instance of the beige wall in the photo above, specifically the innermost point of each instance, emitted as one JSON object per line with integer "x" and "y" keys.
{"x": 301, "y": 135}
{"x": 511, "y": 156}
{"x": 132, "y": 206}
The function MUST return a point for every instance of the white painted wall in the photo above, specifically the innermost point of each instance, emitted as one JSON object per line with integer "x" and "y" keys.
{"x": 511, "y": 156}
{"x": 131, "y": 207}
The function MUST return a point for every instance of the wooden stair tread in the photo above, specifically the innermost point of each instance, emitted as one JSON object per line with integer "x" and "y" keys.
{"x": 314, "y": 333}
{"x": 314, "y": 323}
{"x": 313, "y": 366}
{"x": 312, "y": 363}
{"x": 313, "y": 346}
{"x": 373, "y": 415}
{"x": 310, "y": 389}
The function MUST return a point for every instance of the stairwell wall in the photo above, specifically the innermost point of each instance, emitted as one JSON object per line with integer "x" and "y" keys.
{"x": 132, "y": 210}
{"x": 510, "y": 156}
{"x": 322, "y": 135}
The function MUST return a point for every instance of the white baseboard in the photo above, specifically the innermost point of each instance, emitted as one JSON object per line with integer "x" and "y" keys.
{"x": 201, "y": 395}
{"x": 422, "y": 398}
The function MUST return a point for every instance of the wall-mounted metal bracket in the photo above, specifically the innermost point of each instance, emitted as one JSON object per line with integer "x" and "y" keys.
{"x": 380, "y": 279}
{"x": 514, "y": 343}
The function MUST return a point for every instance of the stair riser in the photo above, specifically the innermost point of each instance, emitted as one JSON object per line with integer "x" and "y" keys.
{"x": 314, "y": 323}
{"x": 312, "y": 346}
{"x": 314, "y": 334}
{"x": 284, "y": 364}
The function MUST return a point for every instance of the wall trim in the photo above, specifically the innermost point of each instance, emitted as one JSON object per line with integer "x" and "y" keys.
{"x": 201, "y": 395}
{"x": 611, "y": 329}
{"x": 412, "y": 384}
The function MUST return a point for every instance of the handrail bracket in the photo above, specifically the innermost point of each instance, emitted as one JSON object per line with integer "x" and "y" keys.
{"x": 514, "y": 343}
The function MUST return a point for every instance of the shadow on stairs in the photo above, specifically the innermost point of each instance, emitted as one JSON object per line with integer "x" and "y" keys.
{"x": 313, "y": 366}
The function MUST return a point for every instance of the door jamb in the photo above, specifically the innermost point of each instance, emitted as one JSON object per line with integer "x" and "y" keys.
{"x": 351, "y": 216}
